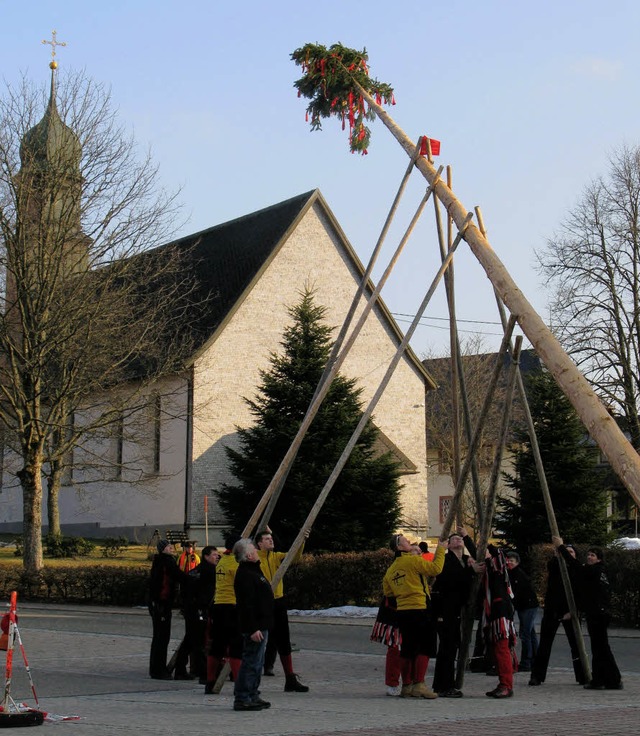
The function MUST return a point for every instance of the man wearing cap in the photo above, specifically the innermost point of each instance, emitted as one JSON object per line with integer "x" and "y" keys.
{"x": 406, "y": 580}
{"x": 188, "y": 560}
{"x": 279, "y": 637}
{"x": 164, "y": 578}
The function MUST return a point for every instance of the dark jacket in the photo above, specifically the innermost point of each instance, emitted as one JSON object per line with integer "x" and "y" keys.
{"x": 555, "y": 598}
{"x": 450, "y": 591}
{"x": 164, "y": 579}
{"x": 524, "y": 595}
{"x": 594, "y": 589}
{"x": 254, "y": 598}
{"x": 595, "y": 596}
{"x": 202, "y": 587}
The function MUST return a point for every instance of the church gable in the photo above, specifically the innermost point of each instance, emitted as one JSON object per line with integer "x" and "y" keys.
{"x": 314, "y": 255}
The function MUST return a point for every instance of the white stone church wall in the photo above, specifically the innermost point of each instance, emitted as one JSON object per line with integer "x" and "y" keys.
{"x": 229, "y": 369}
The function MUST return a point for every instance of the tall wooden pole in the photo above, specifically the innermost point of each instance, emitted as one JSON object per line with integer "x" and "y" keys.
{"x": 323, "y": 389}
{"x": 366, "y": 415}
{"x": 599, "y": 423}
{"x": 546, "y": 494}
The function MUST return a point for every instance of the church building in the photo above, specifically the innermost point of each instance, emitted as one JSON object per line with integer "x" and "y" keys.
{"x": 249, "y": 272}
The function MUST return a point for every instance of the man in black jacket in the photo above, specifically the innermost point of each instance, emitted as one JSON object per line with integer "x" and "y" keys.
{"x": 449, "y": 594}
{"x": 556, "y": 612}
{"x": 254, "y": 603}
{"x": 197, "y": 599}
{"x": 164, "y": 579}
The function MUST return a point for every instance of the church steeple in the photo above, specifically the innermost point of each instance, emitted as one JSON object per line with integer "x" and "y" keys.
{"x": 50, "y": 182}
{"x": 51, "y": 145}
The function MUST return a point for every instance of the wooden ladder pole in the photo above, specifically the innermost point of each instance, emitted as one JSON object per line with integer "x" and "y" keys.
{"x": 458, "y": 382}
{"x": 366, "y": 415}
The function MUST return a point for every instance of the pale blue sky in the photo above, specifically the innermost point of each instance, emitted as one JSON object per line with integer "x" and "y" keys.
{"x": 528, "y": 99}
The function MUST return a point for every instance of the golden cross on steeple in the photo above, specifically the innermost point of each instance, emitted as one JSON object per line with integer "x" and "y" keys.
{"x": 54, "y": 42}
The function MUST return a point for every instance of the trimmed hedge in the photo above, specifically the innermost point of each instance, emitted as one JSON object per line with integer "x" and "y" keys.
{"x": 316, "y": 582}
{"x": 93, "y": 584}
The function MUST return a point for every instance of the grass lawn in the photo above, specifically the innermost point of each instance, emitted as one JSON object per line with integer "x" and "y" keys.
{"x": 132, "y": 556}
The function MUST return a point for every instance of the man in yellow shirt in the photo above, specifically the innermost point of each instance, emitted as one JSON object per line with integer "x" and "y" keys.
{"x": 407, "y": 581}
{"x": 226, "y": 639}
{"x": 279, "y": 638}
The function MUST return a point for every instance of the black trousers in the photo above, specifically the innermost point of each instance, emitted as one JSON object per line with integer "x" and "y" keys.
{"x": 192, "y": 645}
{"x": 448, "y": 628}
{"x": 548, "y": 628}
{"x": 279, "y": 637}
{"x": 161, "y": 621}
{"x": 226, "y": 639}
{"x": 418, "y": 633}
{"x": 603, "y": 664}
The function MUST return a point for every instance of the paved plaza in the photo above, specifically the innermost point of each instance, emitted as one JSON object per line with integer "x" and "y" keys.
{"x": 93, "y": 663}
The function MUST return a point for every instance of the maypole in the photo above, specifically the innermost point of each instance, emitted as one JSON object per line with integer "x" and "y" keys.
{"x": 337, "y": 82}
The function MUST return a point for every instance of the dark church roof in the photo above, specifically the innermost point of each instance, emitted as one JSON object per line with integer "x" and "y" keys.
{"x": 227, "y": 258}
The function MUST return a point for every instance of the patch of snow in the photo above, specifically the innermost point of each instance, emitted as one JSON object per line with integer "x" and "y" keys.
{"x": 339, "y": 612}
{"x": 627, "y": 543}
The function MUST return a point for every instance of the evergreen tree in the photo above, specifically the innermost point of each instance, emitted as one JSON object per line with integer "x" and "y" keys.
{"x": 576, "y": 485}
{"x": 363, "y": 507}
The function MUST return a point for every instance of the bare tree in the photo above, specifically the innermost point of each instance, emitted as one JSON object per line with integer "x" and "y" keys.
{"x": 593, "y": 267}
{"x": 85, "y": 310}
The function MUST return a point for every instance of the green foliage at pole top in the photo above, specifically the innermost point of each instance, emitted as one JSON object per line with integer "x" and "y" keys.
{"x": 330, "y": 80}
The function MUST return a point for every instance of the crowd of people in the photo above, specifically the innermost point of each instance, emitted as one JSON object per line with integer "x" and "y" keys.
{"x": 236, "y": 621}
{"x": 421, "y": 615}
{"x": 233, "y": 618}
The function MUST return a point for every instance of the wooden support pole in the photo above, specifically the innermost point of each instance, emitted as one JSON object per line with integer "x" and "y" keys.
{"x": 546, "y": 494}
{"x": 458, "y": 382}
{"x": 323, "y": 390}
{"x": 366, "y": 415}
{"x": 599, "y": 423}
{"x": 490, "y": 504}
{"x": 475, "y": 441}
{"x": 337, "y": 346}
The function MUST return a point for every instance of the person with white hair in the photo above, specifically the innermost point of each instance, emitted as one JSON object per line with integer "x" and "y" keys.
{"x": 254, "y": 602}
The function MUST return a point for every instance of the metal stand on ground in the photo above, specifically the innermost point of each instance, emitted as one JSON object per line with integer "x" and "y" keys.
{"x": 12, "y": 715}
